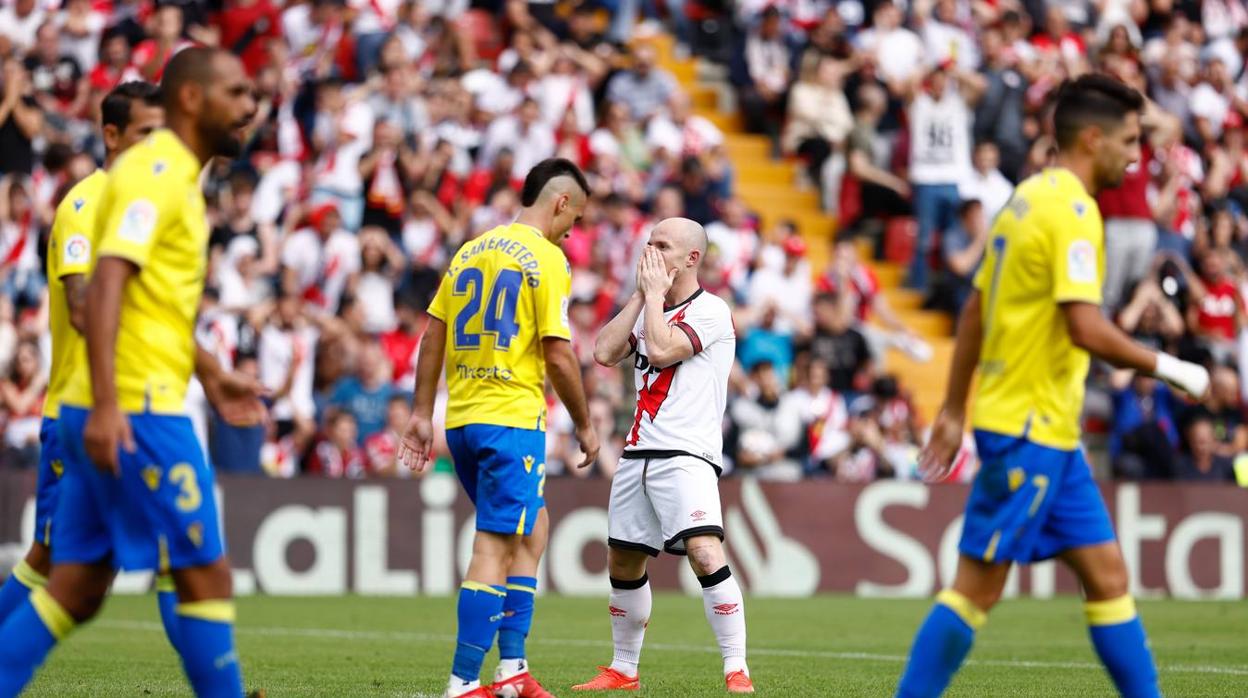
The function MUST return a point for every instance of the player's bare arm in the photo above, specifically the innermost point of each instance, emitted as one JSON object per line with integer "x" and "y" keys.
{"x": 665, "y": 344}
{"x": 614, "y": 342}
{"x": 1090, "y": 331}
{"x": 233, "y": 394}
{"x": 107, "y": 428}
{"x": 417, "y": 440}
{"x": 946, "y": 436}
{"x": 565, "y": 374}
{"x": 76, "y": 300}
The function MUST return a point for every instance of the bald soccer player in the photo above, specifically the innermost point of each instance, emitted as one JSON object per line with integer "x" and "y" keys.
{"x": 665, "y": 495}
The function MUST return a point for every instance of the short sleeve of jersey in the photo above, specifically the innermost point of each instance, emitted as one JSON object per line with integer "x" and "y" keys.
{"x": 705, "y": 324}
{"x": 437, "y": 307}
{"x": 69, "y": 250}
{"x": 1078, "y": 247}
{"x": 551, "y": 294}
{"x": 134, "y": 198}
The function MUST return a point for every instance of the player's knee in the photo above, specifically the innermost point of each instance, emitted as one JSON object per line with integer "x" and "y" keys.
{"x": 206, "y": 582}
{"x": 706, "y": 554}
{"x": 1106, "y": 584}
{"x": 81, "y": 595}
{"x": 625, "y": 564}
{"x": 39, "y": 557}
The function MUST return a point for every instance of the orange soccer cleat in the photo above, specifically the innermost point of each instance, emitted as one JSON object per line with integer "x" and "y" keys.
{"x": 609, "y": 680}
{"x": 739, "y": 682}
{"x": 520, "y": 686}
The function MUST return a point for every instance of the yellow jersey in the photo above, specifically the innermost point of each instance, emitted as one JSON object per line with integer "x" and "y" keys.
{"x": 152, "y": 214}
{"x": 503, "y": 293}
{"x": 1047, "y": 247}
{"x": 69, "y": 253}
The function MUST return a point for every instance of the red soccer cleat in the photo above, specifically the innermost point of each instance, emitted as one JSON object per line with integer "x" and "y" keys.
{"x": 520, "y": 686}
{"x": 610, "y": 680}
{"x": 739, "y": 682}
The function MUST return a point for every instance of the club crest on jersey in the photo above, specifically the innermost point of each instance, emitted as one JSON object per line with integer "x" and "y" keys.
{"x": 151, "y": 476}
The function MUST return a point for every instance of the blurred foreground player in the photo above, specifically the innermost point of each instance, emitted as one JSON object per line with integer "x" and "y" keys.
{"x": 136, "y": 493}
{"x": 1029, "y": 327}
{"x": 665, "y": 494}
{"x": 500, "y": 319}
{"x": 127, "y": 115}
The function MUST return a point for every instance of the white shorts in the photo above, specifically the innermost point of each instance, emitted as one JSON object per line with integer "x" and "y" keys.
{"x": 657, "y": 503}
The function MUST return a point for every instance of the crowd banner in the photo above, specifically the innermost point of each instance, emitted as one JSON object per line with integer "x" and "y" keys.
{"x": 314, "y": 536}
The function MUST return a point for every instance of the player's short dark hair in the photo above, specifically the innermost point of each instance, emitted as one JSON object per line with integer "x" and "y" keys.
{"x": 546, "y": 170}
{"x": 190, "y": 65}
{"x": 115, "y": 109}
{"x": 1092, "y": 99}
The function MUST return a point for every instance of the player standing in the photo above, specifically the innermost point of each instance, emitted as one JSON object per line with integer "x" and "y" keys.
{"x": 665, "y": 495}
{"x": 151, "y": 500}
{"x": 127, "y": 115}
{"x": 1029, "y": 327}
{"x": 500, "y": 319}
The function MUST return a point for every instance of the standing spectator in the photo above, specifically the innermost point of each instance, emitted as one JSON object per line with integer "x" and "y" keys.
{"x": 643, "y": 88}
{"x": 940, "y": 154}
{"x": 400, "y": 344}
{"x": 21, "y": 394}
{"x": 1216, "y": 313}
{"x": 838, "y": 346}
{"x": 21, "y": 276}
{"x": 945, "y": 37}
{"x": 962, "y": 249}
{"x": 386, "y": 173}
{"x": 1150, "y": 318}
{"x": 819, "y": 119}
{"x": 19, "y": 21}
{"x": 767, "y": 59}
{"x": 1212, "y": 100}
{"x": 366, "y": 393}
{"x": 287, "y": 358}
{"x": 320, "y": 261}
{"x": 381, "y": 267}
{"x": 897, "y": 51}
{"x": 1001, "y": 113}
{"x": 342, "y": 134}
{"x": 246, "y": 27}
{"x": 985, "y": 182}
{"x": 21, "y": 120}
{"x": 1201, "y": 461}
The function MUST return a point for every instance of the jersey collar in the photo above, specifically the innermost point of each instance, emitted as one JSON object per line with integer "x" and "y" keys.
{"x": 687, "y": 301}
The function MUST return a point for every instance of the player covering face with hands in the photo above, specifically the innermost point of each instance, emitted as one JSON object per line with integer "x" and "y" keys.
{"x": 499, "y": 324}
{"x": 665, "y": 494}
{"x": 1030, "y": 328}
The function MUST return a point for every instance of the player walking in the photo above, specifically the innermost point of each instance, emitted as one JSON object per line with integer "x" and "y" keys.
{"x": 500, "y": 319}
{"x": 127, "y": 115}
{"x": 151, "y": 501}
{"x": 665, "y": 495}
{"x": 1029, "y": 327}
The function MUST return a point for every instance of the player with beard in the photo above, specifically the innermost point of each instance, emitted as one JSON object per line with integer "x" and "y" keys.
{"x": 136, "y": 493}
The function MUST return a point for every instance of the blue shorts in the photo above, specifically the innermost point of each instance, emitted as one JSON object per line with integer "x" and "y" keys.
{"x": 159, "y": 513}
{"x": 1031, "y": 502}
{"x": 503, "y": 469}
{"x": 51, "y": 465}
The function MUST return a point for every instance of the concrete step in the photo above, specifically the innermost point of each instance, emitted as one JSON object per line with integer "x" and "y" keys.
{"x": 903, "y": 299}
{"x": 704, "y": 97}
{"x": 727, "y": 122}
{"x": 748, "y": 148}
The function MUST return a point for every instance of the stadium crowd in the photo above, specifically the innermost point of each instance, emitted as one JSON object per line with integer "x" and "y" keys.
{"x": 390, "y": 131}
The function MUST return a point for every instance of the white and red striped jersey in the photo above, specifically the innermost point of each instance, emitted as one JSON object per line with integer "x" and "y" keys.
{"x": 680, "y": 408}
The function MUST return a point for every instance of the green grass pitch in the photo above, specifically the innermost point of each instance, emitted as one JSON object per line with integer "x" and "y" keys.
{"x": 826, "y": 646}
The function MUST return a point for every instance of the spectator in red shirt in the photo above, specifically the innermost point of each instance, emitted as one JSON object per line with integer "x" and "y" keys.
{"x": 1216, "y": 313}
{"x": 246, "y": 26}
{"x": 114, "y": 62}
{"x": 400, "y": 344}
{"x": 381, "y": 448}
{"x": 153, "y": 54}
{"x": 336, "y": 455}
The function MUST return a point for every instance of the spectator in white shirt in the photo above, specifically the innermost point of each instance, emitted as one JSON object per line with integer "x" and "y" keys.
{"x": 1212, "y": 100}
{"x": 19, "y": 20}
{"x": 897, "y": 51}
{"x": 343, "y": 132}
{"x": 767, "y": 58}
{"x": 529, "y": 139}
{"x": 287, "y": 358}
{"x": 681, "y": 132}
{"x": 944, "y": 34}
{"x": 985, "y": 183}
{"x": 787, "y": 289}
{"x": 318, "y": 262}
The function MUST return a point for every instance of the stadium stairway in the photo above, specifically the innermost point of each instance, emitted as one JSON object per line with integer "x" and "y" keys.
{"x": 769, "y": 187}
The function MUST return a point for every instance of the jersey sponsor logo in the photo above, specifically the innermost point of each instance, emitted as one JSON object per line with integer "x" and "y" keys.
{"x": 617, "y": 612}
{"x": 725, "y": 609}
{"x": 1081, "y": 262}
{"x": 482, "y": 372}
{"x": 138, "y": 222}
{"x": 77, "y": 250}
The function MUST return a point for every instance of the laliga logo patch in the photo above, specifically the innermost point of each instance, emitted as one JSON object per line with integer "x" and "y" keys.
{"x": 1081, "y": 262}
{"x": 138, "y": 221}
{"x": 77, "y": 250}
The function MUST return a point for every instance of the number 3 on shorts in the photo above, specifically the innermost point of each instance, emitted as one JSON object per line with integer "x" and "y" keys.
{"x": 183, "y": 475}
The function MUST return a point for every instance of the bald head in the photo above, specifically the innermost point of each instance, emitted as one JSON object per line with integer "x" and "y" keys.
{"x": 686, "y": 234}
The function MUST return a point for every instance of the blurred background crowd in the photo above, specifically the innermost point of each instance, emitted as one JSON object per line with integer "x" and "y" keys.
{"x": 391, "y": 131}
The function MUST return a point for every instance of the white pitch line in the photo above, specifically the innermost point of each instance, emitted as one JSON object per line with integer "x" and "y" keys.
{"x": 381, "y": 635}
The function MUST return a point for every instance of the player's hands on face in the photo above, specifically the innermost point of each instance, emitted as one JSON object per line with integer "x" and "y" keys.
{"x": 237, "y": 396}
{"x": 107, "y": 429}
{"x": 942, "y": 445}
{"x": 653, "y": 276}
{"x": 587, "y": 437}
{"x": 416, "y": 443}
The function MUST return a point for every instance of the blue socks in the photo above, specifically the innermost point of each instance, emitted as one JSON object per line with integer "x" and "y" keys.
{"x": 26, "y": 638}
{"x": 167, "y": 600}
{"x": 480, "y": 612}
{"x": 1120, "y": 642}
{"x": 23, "y": 580}
{"x": 205, "y": 639}
{"x": 941, "y": 644}
{"x": 517, "y": 617}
